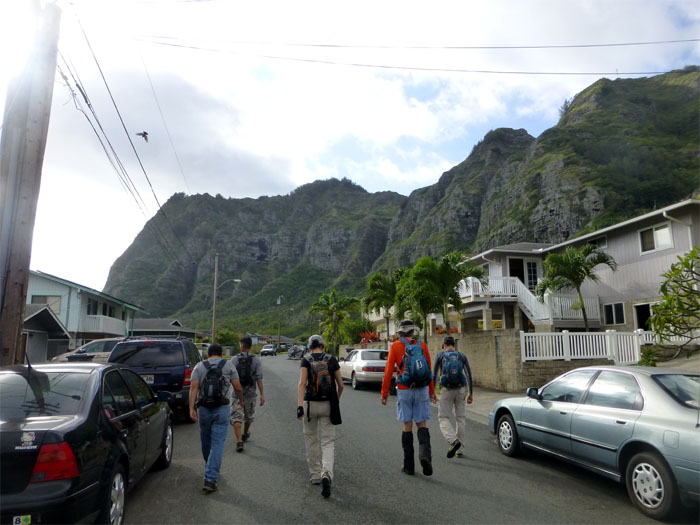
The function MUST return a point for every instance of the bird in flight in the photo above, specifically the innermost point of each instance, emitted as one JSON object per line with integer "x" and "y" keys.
{"x": 143, "y": 134}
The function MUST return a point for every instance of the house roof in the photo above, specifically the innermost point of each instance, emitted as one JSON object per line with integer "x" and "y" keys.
{"x": 518, "y": 247}
{"x": 45, "y": 316}
{"x": 87, "y": 289}
{"x": 163, "y": 325}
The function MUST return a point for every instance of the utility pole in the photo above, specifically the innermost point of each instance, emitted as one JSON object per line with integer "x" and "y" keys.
{"x": 25, "y": 127}
{"x": 216, "y": 283}
{"x": 279, "y": 321}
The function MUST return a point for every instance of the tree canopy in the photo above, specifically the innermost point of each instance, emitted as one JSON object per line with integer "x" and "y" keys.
{"x": 335, "y": 308}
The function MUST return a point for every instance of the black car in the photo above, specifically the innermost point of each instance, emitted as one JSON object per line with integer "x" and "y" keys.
{"x": 75, "y": 438}
{"x": 165, "y": 364}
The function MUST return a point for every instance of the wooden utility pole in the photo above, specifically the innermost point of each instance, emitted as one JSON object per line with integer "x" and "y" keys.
{"x": 25, "y": 127}
{"x": 216, "y": 283}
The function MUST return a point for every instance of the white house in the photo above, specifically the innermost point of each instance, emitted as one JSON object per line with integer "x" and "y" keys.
{"x": 86, "y": 313}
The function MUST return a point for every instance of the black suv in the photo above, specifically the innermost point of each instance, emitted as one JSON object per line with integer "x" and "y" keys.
{"x": 165, "y": 364}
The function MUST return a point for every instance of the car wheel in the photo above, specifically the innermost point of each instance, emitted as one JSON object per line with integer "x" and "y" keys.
{"x": 112, "y": 510}
{"x": 508, "y": 440}
{"x": 166, "y": 453}
{"x": 651, "y": 486}
{"x": 354, "y": 382}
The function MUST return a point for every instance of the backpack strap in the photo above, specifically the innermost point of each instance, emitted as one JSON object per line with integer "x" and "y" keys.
{"x": 221, "y": 363}
{"x": 207, "y": 364}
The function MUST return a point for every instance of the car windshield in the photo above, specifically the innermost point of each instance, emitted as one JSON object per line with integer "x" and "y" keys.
{"x": 36, "y": 393}
{"x": 148, "y": 353}
{"x": 684, "y": 388}
{"x": 377, "y": 355}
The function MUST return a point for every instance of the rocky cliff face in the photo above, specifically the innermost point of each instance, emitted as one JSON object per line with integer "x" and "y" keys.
{"x": 621, "y": 148}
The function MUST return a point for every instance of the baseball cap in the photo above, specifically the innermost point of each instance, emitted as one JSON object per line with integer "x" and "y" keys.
{"x": 317, "y": 338}
{"x": 448, "y": 341}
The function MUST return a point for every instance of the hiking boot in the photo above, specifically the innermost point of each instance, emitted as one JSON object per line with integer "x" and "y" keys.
{"x": 246, "y": 436}
{"x": 209, "y": 487}
{"x": 315, "y": 481}
{"x": 409, "y": 471}
{"x": 456, "y": 445}
{"x": 424, "y": 451}
{"x": 326, "y": 482}
{"x": 239, "y": 446}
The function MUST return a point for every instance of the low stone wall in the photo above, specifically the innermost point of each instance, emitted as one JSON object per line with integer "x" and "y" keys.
{"x": 495, "y": 361}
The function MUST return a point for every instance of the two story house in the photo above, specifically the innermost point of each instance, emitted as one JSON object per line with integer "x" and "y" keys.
{"x": 85, "y": 313}
{"x": 644, "y": 247}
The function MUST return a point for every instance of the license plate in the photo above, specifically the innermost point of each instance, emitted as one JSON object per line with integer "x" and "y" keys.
{"x": 22, "y": 520}
{"x": 148, "y": 378}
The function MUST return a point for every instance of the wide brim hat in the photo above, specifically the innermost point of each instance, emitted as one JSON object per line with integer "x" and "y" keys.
{"x": 406, "y": 326}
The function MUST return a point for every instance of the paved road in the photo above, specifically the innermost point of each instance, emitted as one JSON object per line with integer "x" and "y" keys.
{"x": 268, "y": 483}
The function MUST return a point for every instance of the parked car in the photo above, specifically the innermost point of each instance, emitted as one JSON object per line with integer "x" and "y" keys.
{"x": 363, "y": 366}
{"x": 75, "y": 438}
{"x": 268, "y": 350}
{"x": 637, "y": 425}
{"x": 96, "y": 351}
{"x": 165, "y": 365}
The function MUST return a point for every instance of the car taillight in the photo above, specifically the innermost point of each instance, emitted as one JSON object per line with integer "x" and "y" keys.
{"x": 55, "y": 461}
{"x": 373, "y": 369}
{"x": 188, "y": 377}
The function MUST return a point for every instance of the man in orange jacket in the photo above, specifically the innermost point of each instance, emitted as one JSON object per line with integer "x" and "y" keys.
{"x": 413, "y": 400}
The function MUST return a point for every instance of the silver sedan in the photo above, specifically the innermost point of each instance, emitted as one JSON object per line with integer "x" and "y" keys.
{"x": 637, "y": 425}
{"x": 363, "y": 366}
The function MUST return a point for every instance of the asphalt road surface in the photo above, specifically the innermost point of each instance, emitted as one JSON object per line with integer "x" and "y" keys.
{"x": 269, "y": 481}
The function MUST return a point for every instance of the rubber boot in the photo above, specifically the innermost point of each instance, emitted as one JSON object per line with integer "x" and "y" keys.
{"x": 409, "y": 466}
{"x": 424, "y": 451}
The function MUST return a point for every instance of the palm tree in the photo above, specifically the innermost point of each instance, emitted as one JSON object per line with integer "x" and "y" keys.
{"x": 570, "y": 268}
{"x": 442, "y": 279}
{"x": 415, "y": 296}
{"x": 381, "y": 294}
{"x": 335, "y": 308}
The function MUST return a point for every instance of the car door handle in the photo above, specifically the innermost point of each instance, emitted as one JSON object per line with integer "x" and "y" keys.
{"x": 563, "y": 413}
{"x": 620, "y": 422}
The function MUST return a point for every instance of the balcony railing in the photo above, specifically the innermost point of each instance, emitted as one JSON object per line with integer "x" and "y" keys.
{"x": 101, "y": 324}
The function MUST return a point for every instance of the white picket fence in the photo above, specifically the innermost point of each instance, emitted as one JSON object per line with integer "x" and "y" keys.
{"x": 624, "y": 348}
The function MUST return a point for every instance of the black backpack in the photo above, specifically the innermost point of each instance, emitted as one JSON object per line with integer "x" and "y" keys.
{"x": 319, "y": 381}
{"x": 244, "y": 366}
{"x": 214, "y": 386}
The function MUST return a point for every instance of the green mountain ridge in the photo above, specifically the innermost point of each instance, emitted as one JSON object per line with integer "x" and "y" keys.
{"x": 620, "y": 148}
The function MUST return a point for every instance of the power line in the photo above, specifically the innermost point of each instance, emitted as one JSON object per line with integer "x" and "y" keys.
{"x": 407, "y": 68}
{"x": 165, "y": 125}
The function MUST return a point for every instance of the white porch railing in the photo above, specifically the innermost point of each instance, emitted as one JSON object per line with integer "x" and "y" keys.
{"x": 559, "y": 307}
{"x": 624, "y": 348}
{"x": 101, "y": 324}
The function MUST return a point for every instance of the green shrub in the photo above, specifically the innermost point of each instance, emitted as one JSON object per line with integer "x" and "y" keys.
{"x": 649, "y": 356}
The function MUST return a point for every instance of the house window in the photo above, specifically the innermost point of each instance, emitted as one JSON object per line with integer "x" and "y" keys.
{"x": 614, "y": 313}
{"x": 91, "y": 307}
{"x": 599, "y": 242}
{"x": 111, "y": 311}
{"x": 54, "y": 301}
{"x": 531, "y": 275}
{"x": 656, "y": 238}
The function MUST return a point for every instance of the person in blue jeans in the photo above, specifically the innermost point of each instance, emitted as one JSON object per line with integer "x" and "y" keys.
{"x": 213, "y": 420}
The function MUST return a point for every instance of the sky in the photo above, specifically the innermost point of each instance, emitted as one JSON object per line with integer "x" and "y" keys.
{"x": 246, "y": 99}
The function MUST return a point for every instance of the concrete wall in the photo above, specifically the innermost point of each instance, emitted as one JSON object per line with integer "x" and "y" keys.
{"x": 495, "y": 359}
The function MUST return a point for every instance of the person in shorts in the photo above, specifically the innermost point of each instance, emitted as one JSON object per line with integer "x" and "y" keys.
{"x": 250, "y": 374}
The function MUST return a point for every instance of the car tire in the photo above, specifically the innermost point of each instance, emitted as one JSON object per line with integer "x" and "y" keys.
{"x": 166, "y": 453}
{"x": 651, "y": 486}
{"x": 354, "y": 382}
{"x": 114, "y": 498}
{"x": 507, "y": 436}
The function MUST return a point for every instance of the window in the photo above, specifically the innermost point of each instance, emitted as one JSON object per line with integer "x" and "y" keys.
{"x": 656, "y": 238}
{"x": 91, "y": 307}
{"x": 684, "y": 388}
{"x": 615, "y": 390}
{"x": 375, "y": 355}
{"x": 111, "y": 311}
{"x": 531, "y": 275}
{"x": 599, "y": 242}
{"x": 104, "y": 309}
{"x": 54, "y": 301}
{"x": 140, "y": 390}
{"x": 117, "y": 393}
{"x": 614, "y": 313}
{"x": 568, "y": 388}
{"x": 33, "y": 393}
{"x": 148, "y": 354}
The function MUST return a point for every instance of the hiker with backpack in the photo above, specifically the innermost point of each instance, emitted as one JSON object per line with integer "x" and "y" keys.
{"x": 210, "y": 399}
{"x": 415, "y": 391}
{"x": 250, "y": 375}
{"x": 452, "y": 367}
{"x": 318, "y": 404}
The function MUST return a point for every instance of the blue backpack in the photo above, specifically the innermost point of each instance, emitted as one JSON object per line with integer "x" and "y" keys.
{"x": 453, "y": 375}
{"x": 415, "y": 371}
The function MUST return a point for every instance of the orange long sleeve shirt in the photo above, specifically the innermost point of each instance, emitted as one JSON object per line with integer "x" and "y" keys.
{"x": 395, "y": 359}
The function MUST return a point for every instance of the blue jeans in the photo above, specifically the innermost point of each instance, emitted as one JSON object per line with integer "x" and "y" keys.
{"x": 213, "y": 429}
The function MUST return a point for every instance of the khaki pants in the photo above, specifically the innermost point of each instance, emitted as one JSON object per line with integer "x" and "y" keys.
{"x": 319, "y": 436}
{"x": 452, "y": 401}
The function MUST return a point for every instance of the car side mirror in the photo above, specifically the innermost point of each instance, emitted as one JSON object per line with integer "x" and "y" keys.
{"x": 532, "y": 393}
{"x": 341, "y": 359}
{"x": 164, "y": 396}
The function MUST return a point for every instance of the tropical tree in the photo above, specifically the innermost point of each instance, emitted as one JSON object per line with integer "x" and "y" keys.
{"x": 335, "y": 308}
{"x": 416, "y": 297}
{"x": 678, "y": 314}
{"x": 570, "y": 269}
{"x": 442, "y": 278}
{"x": 381, "y": 293}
